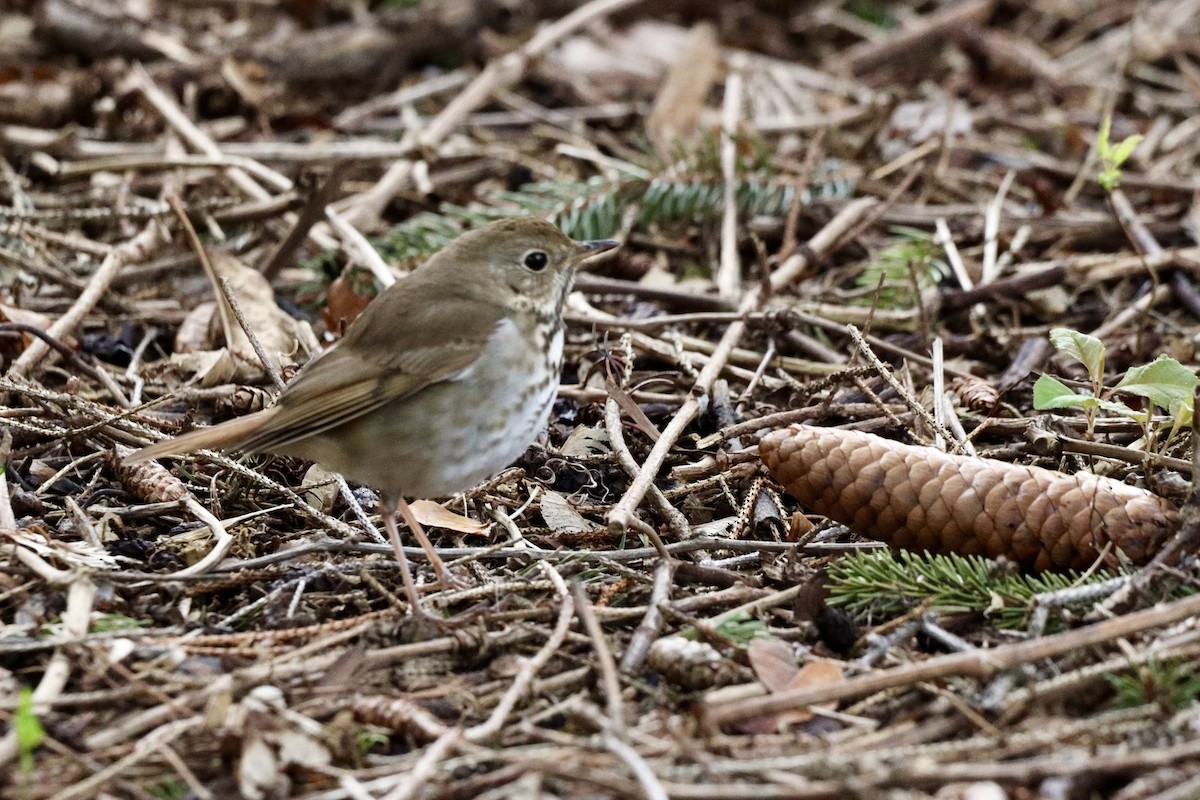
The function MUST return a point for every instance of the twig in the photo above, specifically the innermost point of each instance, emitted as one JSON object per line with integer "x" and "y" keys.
{"x": 647, "y": 631}
{"x": 179, "y": 122}
{"x": 222, "y": 283}
{"x": 358, "y": 248}
{"x": 622, "y": 516}
{"x": 979, "y": 664}
{"x": 415, "y": 778}
{"x": 729, "y": 273}
{"x": 224, "y": 540}
{"x": 136, "y": 249}
{"x": 236, "y": 309}
{"x": 99, "y": 375}
{"x": 76, "y": 619}
{"x": 646, "y": 778}
{"x": 913, "y": 403}
{"x": 677, "y": 522}
{"x": 310, "y": 214}
{"x": 147, "y": 747}
{"x": 520, "y": 684}
{"x": 493, "y": 552}
{"x": 367, "y": 208}
{"x": 604, "y": 659}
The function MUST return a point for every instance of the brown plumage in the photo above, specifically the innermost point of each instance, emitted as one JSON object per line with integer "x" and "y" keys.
{"x": 444, "y": 379}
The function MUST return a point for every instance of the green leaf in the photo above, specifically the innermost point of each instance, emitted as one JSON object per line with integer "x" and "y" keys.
{"x": 171, "y": 789}
{"x": 1102, "y": 148}
{"x": 1111, "y": 158}
{"x": 1051, "y": 393}
{"x": 1117, "y": 407}
{"x": 1125, "y": 149}
{"x": 1088, "y": 350}
{"x": 1181, "y": 417}
{"x": 1164, "y": 382}
{"x": 28, "y": 729}
{"x": 740, "y": 629}
{"x": 1109, "y": 178}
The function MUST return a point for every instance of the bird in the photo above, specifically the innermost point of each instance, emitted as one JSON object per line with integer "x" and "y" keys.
{"x": 445, "y": 378}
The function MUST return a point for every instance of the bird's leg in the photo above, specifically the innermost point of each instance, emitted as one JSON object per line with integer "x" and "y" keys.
{"x": 447, "y": 580}
{"x": 388, "y": 512}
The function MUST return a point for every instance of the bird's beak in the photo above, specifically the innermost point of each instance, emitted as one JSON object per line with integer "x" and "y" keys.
{"x": 595, "y": 247}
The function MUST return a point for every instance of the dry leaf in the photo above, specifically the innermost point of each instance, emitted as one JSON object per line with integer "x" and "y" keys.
{"x": 210, "y": 367}
{"x": 778, "y": 673}
{"x": 923, "y": 120}
{"x": 675, "y": 117}
{"x": 276, "y": 331}
{"x": 320, "y": 488}
{"x": 298, "y": 747}
{"x": 818, "y": 673}
{"x": 33, "y": 319}
{"x": 343, "y": 303}
{"x": 585, "y": 441}
{"x": 258, "y": 768}
{"x": 799, "y": 526}
{"x": 193, "y": 333}
{"x": 773, "y": 661}
{"x": 432, "y": 515}
{"x": 11, "y": 348}
{"x": 45, "y": 98}
{"x": 560, "y": 515}
{"x": 630, "y": 61}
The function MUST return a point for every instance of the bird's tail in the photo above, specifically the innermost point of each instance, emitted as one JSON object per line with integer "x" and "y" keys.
{"x": 218, "y": 437}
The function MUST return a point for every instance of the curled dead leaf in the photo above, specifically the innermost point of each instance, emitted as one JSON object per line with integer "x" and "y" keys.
{"x": 432, "y": 515}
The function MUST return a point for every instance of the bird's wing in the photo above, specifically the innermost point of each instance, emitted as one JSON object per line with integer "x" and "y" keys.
{"x": 405, "y": 345}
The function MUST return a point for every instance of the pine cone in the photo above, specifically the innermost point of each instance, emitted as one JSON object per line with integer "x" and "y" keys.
{"x": 918, "y": 498}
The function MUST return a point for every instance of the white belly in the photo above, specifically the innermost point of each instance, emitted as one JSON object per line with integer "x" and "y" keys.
{"x": 435, "y": 455}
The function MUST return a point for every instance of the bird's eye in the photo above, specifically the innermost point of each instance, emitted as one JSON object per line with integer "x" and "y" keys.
{"x": 536, "y": 260}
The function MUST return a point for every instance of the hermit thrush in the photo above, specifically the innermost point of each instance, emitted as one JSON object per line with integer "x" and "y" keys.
{"x": 445, "y": 378}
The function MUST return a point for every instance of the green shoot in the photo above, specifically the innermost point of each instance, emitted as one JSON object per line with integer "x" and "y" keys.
{"x": 1164, "y": 383}
{"x": 369, "y": 740}
{"x": 902, "y": 270}
{"x": 171, "y": 789}
{"x": 28, "y": 729}
{"x": 1172, "y": 686}
{"x": 1113, "y": 156}
{"x": 738, "y": 630}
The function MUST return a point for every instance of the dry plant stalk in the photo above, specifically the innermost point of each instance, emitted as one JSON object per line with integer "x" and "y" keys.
{"x": 919, "y": 498}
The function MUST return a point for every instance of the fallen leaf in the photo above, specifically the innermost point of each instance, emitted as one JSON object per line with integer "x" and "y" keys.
{"x": 344, "y": 302}
{"x": 773, "y": 662}
{"x": 208, "y": 367}
{"x": 12, "y": 347}
{"x": 587, "y": 441}
{"x": 277, "y": 332}
{"x": 818, "y": 673}
{"x": 432, "y": 515}
{"x": 560, "y": 515}
{"x": 675, "y": 116}
{"x": 258, "y": 769}
{"x": 192, "y": 335}
{"x": 814, "y": 673}
{"x": 297, "y": 747}
{"x": 319, "y": 488}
